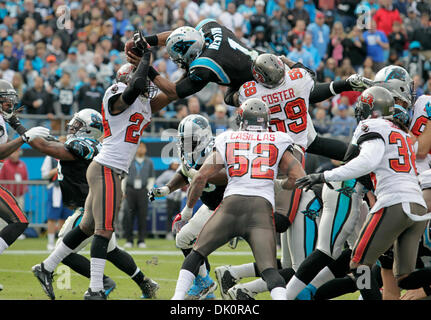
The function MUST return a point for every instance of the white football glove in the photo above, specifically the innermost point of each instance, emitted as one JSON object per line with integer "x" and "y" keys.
{"x": 36, "y": 132}
{"x": 158, "y": 192}
{"x": 359, "y": 83}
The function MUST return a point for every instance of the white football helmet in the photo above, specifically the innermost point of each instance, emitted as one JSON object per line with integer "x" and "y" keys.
{"x": 184, "y": 45}
{"x": 398, "y": 81}
{"x": 86, "y": 123}
{"x": 195, "y": 140}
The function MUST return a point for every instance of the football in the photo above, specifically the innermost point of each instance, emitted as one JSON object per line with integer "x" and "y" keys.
{"x": 130, "y": 47}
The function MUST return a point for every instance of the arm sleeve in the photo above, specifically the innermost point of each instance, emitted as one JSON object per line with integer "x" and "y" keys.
{"x": 81, "y": 149}
{"x": 195, "y": 81}
{"x": 371, "y": 154}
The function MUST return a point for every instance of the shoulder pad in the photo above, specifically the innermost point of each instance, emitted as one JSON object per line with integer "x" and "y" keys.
{"x": 83, "y": 148}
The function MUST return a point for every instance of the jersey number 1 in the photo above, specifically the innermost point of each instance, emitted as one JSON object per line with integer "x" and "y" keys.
{"x": 238, "y": 165}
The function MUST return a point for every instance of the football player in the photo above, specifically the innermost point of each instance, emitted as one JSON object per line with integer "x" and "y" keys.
{"x": 251, "y": 157}
{"x": 386, "y": 150}
{"x": 126, "y": 112}
{"x": 10, "y": 211}
{"x": 195, "y": 143}
{"x": 75, "y": 155}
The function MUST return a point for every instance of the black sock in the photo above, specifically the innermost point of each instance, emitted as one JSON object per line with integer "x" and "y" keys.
{"x": 186, "y": 252}
{"x": 99, "y": 247}
{"x": 335, "y": 288}
{"x": 341, "y": 266}
{"x": 78, "y": 263}
{"x": 417, "y": 279}
{"x": 312, "y": 265}
{"x": 192, "y": 262}
{"x": 12, "y": 231}
{"x": 139, "y": 278}
{"x": 287, "y": 274}
{"x": 207, "y": 264}
{"x": 74, "y": 238}
{"x": 256, "y": 270}
{"x": 371, "y": 293}
{"x": 122, "y": 260}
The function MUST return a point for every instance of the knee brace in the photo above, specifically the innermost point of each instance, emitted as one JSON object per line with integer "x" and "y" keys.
{"x": 272, "y": 278}
{"x": 193, "y": 261}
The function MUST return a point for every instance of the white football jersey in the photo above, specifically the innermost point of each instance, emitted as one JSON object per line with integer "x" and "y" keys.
{"x": 395, "y": 179}
{"x": 122, "y": 131}
{"x": 3, "y": 135}
{"x": 418, "y": 125}
{"x": 288, "y": 103}
{"x": 251, "y": 160}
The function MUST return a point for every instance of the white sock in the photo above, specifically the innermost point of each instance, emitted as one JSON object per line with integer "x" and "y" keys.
{"x": 51, "y": 238}
{"x": 184, "y": 282}
{"x": 294, "y": 287}
{"x": 97, "y": 267}
{"x": 256, "y": 286}
{"x": 322, "y": 277}
{"x": 243, "y": 271}
{"x": 3, "y": 245}
{"x": 278, "y": 293}
{"x": 203, "y": 270}
{"x": 60, "y": 252}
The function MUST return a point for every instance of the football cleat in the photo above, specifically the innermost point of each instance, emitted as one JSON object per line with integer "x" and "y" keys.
{"x": 225, "y": 280}
{"x": 239, "y": 292}
{"x": 149, "y": 288}
{"x": 201, "y": 288}
{"x": 210, "y": 296}
{"x": 45, "y": 278}
{"x": 90, "y": 295}
{"x": 108, "y": 285}
{"x": 359, "y": 83}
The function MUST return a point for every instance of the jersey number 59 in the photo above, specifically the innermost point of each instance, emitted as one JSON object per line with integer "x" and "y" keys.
{"x": 239, "y": 164}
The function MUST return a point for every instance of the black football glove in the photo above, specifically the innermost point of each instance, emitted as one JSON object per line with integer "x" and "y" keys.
{"x": 310, "y": 180}
{"x": 141, "y": 45}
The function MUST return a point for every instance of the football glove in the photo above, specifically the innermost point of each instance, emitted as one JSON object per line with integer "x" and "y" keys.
{"x": 141, "y": 45}
{"x": 158, "y": 192}
{"x": 181, "y": 219}
{"x": 359, "y": 83}
{"x": 310, "y": 180}
{"x": 33, "y": 133}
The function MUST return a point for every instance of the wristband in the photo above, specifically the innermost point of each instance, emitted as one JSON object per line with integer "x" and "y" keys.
{"x": 427, "y": 290}
{"x": 152, "y": 73}
{"x": 152, "y": 40}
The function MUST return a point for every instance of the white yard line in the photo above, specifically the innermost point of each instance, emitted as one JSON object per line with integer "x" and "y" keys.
{"x": 138, "y": 253}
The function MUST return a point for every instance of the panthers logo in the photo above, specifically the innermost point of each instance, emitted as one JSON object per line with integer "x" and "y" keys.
{"x": 368, "y": 99}
{"x": 396, "y": 73}
{"x": 96, "y": 122}
{"x": 182, "y": 46}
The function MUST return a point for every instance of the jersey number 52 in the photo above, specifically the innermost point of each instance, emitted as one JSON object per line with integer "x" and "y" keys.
{"x": 239, "y": 164}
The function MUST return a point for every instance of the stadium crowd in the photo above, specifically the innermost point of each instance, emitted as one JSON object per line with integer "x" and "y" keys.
{"x": 61, "y": 55}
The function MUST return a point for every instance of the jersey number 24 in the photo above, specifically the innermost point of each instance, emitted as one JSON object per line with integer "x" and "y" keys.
{"x": 132, "y": 132}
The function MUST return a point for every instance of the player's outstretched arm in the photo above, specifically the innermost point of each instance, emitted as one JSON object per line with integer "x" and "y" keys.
{"x": 212, "y": 165}
{"x": 292, "y": 167}
{"x": 53, "y": 149}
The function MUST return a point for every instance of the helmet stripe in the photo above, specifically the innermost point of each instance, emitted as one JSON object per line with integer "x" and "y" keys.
{"x": 209, "y": 63}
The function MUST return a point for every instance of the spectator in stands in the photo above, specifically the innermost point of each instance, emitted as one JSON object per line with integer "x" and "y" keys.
{"x": 320, "y": 34}
{"x": 54, "y": 48}
{"x": 181, "y": 112}
{"x": 355, "y": 48}
{"x": 414, "y": 62}
{"x": 279, "y": 28}
{"x": 328, "y": 73}
{"x": 345, "y": 69}
{"x": 210, "y": 9}
{"x": 7, "y": 54}
{"x": 385, "y": 16}
{"x": 83, "y": 56}
{"x": 102, "y": 5}
{"x": 173, "y": 200}
{"x": 310, "y": 48}
{"x": 5, "y": 72}
{"x": 171, "y": 66}
{"x": 260, "y": 19}
{"x": 343, "y": 124}
{"x": 397, "y": 39}
{"x": 96, "y": 23}
{"x": 377, "y": 43}
{"x": 194, "y": 106}
{"x": 346, "y": 13}
{"x": 90, "y": 95}
{"x": 37, "y": 101}
{"x": 321, "y": 121}
{"x": 57, "y": 213}
{"x": 297, "y": 32}
{"x": 139, "y": 181}
{"x": 219, "y": 119}
{"x": 231, "y": 18}
{"x": 412, "y": 22}
{"x": 64, "y": 99}
{"x": 301, "y": 55}
{"x": 423, "y": 35}
{"x": 298, "y": 13}
{"x": 41, "y": 50}
{"x": 258, "y": 40}
{"x": 119, "y": 22}
{"x": 71, "y": 65}
{"x": 15, "y": 169}
{"x": 29, "y": 12}
{"x": 336, "y": 43}
{"x": 19, "y": 86}
{"x": 30, "y": 55}
{"x": 427, "y": 87}
{"x": 161, "y": 9}
{"x": 101, "y": 69}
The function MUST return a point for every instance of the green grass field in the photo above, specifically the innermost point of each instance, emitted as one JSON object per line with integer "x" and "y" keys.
{"x": 160, "y": 261}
